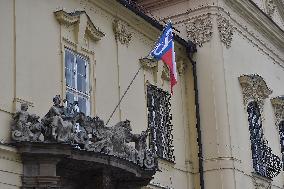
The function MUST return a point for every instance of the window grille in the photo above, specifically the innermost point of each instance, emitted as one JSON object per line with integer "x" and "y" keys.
{"x": 265, "y": 163}
{"x": 159, "y": 122}
{"x": 77, "y": 81}
{"x": 281, "y": 133}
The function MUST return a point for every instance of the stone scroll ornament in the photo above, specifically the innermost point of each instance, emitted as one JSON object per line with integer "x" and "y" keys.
{"x": 226, "y": 31}
{"x": 60, "y": 125}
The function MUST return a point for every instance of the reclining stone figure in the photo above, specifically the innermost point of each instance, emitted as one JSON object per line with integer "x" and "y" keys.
{"x": 57, "y": 127}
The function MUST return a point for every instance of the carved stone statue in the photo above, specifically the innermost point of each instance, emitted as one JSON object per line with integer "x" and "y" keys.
{"x": 25, "y": 126}
{"x": 59, "y": 124}
{"x": 56, "y": 128}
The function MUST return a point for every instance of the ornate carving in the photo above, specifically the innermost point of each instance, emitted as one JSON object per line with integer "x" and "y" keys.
{"x": 278, "y": 105}
{"x": 270, "y": 7}
{"x": 147, "y": 63}
{"x": 254, "y": 88}
{"x": 261, "y": 182}
{"x": 200, "y": 30}
{"x": 165, "y": 73}
{"x": 75, "y": 18}
{"x": 25, "y": 126}
{"x": 121, "y": 32}
{"x": 65, "y": 125}
{"x": 181, "y": 66}
{"x": 225, "y": 30}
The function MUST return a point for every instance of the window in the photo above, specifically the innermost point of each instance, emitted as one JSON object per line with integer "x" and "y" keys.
{"x": 77, "y": 81}
{"x": 265, "y": 163}
{"x": 159, "y": 122}
{"x": 281, "y": 132}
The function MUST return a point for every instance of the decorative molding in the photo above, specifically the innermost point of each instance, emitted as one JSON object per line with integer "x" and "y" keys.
{"x": 254, "y": 88}
{"x": 270, "y": 7}
{"x": 181, "y": 66}
{"x": 76, "y": 18}
{"x": 241, "y": 28}
{"x": 278, "y": 105}
{"x": 147, "y": 63}
{"x": 157, "y": 4}
{"x": 254, "y": 16}
{"x": 225, "y": 30}
{"x": 200, "y": 30}
{"x": 9, "y": 153}
{"x": 122, "y": 32}
{"x": 22, "y": 101}
{"x": 261, "y": 182}
{"x": 159, "y": 185}
{"x": 165, "y": 73}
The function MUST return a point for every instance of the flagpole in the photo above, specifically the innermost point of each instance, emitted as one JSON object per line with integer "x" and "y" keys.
{"x": 128, "y": 87}
{"x": 149, "y": 56}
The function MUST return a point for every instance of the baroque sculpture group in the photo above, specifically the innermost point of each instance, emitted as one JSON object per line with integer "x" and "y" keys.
{"x": 65, "y": 125}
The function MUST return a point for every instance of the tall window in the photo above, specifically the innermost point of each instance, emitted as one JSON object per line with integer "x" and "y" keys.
{"x": 265, "y": 163}
{"x": 77, "y": 80}
{"x": 159, "y": 122}
{"x": 281, "y": 132}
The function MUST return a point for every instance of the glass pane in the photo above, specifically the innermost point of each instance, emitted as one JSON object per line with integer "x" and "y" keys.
{"x": 70, "y": 101}
{"x": 69, "y": 60}
{"x": 70, "y": 97}
{"x": 68, "y": 77}
{"x": 82, "y": 104}
{"x": 81, "y": 66}
{"x": 81, "y": 83}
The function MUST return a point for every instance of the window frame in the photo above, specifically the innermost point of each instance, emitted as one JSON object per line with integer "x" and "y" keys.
{"x": 153, "y": 143}
{"x": 88, "y": 54}
{"x": 74, "y": 90}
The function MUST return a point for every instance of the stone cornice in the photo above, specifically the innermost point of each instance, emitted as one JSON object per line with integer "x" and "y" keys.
{"x": 249, "y": 33}
{"x": 157, "y": 4}
{"x": 137, "y": 23}
{"x": 68, "y": 19}
{"x": 259, "y": 20}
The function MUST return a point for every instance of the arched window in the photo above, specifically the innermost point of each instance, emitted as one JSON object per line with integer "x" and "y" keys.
{"x": 265, "y": 163}
{"x": 256, "y": 137}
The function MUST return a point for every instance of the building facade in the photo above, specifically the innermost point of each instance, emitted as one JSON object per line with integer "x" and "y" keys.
{"x": 240, "y": 75}
{"x": 88, "y": 52}
{"x": 224, "y": 122}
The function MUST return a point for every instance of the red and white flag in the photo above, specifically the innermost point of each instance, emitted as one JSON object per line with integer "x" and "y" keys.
{"x": 164, "y": 50}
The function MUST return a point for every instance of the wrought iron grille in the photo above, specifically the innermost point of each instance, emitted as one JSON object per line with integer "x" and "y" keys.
{"x": 159, "y": 122}
{"x": 265, "y": 163}
{"x": 281, "y": 133}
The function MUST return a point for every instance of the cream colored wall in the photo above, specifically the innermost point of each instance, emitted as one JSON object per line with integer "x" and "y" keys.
{"x": 225, "y": 134}
{"x": 31, "y": 70}
{"x": 252, "y": 61}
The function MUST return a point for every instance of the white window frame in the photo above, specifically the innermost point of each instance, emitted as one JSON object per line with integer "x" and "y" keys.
{"x": 75, "y": 91}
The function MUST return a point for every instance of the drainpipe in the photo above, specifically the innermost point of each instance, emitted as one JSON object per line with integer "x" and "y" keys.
{"x": 191, "y": 48}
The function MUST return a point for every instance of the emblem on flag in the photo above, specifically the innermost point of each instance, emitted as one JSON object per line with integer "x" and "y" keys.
{"x": 164, "y": 50}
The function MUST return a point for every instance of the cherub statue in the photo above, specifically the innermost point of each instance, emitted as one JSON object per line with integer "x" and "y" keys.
{"x": 21, "y": 124}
